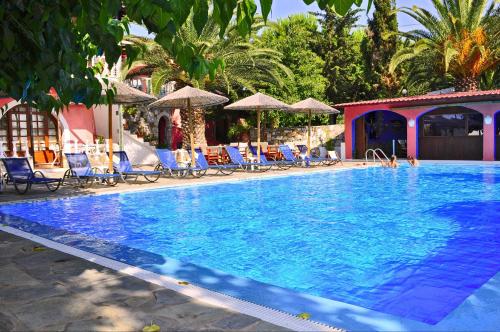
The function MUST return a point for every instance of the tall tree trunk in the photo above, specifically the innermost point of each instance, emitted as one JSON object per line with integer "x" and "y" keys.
{"x": 463, "y": 84}
{"x": 199, "y": 128}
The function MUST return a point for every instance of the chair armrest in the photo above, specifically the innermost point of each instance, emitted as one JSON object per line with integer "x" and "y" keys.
{"x": 38, "y": 172}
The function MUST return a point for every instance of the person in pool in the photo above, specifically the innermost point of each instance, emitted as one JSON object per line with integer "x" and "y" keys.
{"x": 413, "y": 161}
{"x": 393, "y": 162}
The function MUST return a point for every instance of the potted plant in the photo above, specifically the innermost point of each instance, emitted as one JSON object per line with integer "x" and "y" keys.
{"x": 239, "y": 132}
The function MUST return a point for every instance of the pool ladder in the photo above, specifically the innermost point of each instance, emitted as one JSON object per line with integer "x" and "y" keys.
{"x": 377, "y": 154}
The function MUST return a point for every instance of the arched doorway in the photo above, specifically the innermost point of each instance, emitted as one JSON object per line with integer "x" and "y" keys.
{"x": 451, "y": 133}
{"x": 24, "y": 129}
{"x": 384, "y": 130}
{"x": 164, "y": 133}
{"x": 497, "y": 135}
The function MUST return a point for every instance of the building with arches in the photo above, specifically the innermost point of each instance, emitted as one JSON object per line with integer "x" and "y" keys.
{"x": 448, "y": 126}
{"x": 26, "y": 131}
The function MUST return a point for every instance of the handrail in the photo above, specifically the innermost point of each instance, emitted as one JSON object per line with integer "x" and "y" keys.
{"x": 383, "y": 153}
{"x": 376, "y": 155}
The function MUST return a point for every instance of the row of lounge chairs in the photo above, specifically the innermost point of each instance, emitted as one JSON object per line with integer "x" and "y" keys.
{"x": 20, "y": 174}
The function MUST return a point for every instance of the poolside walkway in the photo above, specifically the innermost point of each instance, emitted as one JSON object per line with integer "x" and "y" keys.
{"x": 44, "y": 289}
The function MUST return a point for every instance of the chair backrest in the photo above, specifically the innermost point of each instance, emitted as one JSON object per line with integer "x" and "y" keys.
{"x": 234, "y": 155}
{"x": 167, "y": 158}
{"x": 263, "y": 158}
{"x": 79, "y": 164}
{"x": 323, "y": 152}
{"x": 333, "y": 155}
{"x": 201, "y": 161}
{"x": 287, "y": 152}
{"x": 18, "y": 167}
{"x": 302, "y": 148}
{"x": 124, "y": 164}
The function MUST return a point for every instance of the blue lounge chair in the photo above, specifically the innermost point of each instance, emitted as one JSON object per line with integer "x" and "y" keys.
{"x": 125, "y": 168}
{"x": 82, "y": 171}
{"x": 303, "y": 160}
{"x": 237, "y": 159}
{"x": 19, "y": 172}
{"x": 202, "y": 163}
{"x": 313, "y": 158}
{"x": 289, "y": 156}
{"x": 168, "y": 165}
{"x": 281, "y": 164}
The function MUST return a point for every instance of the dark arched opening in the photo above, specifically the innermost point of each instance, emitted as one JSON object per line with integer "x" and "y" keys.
{"x": 384, "y": 130}
{"x": 497, "y": 136}
{"x": 451, "y": 133}
{"x": 164, "y": 133}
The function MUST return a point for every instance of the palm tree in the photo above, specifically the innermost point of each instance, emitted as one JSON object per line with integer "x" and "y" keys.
{"x": 463, "y": 39}
{"x": 246, "y": 65}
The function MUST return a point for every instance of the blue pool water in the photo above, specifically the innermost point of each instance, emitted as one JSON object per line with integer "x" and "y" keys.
{"x": 411, "y": 242}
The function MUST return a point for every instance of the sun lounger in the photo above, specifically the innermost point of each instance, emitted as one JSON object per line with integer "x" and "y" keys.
{"x": 82, "y": 171}
{"x": 168, "y": 164}
{"x": 202, "y": 163}
{"x": 125, "y": 168}
{"x": 281, "y": 164}
{"x": 312, "y": 158}
{"x": 335, "y": 158}
{"x": 237, "y": 159}
{"x": 289, "y": 156}
{"x": 19, "y": 172}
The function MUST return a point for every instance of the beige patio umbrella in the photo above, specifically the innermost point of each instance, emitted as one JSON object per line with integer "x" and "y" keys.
{"x": 311, "y": 106}
{"x": 123, "y": 95}
{"x": 189, "y": 98}
{"x": 259, "y": 102}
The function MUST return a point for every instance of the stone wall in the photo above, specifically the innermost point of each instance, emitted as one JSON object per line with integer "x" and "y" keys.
{"x": 319, "y": 135}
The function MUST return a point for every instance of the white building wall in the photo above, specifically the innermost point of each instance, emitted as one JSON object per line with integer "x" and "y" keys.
{"x": 101, "y": 121}
{"x": 138, "y": 151}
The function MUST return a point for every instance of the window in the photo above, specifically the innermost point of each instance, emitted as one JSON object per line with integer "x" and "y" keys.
{"x": 453, "y": 124}
{"x": 22, "y": 128}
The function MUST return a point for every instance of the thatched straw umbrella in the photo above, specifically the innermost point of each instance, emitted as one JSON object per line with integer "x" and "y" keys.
{"x": 189, "y": 98}
{"x": 259, "y": 102}
{"x": 311, "y": 106}
{"x": 123, "y": 95}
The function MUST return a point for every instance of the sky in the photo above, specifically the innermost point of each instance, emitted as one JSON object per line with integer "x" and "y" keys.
{"x": 284, "y": 8}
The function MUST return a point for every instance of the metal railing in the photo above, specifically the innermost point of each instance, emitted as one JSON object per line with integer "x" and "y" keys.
{"x": 376, "y": 155}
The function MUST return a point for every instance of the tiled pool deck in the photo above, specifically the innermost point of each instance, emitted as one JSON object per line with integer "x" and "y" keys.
{"x": 52, "y": 291}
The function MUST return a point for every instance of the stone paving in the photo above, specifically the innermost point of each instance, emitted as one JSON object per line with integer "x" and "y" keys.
{"x": 46, "y": 290}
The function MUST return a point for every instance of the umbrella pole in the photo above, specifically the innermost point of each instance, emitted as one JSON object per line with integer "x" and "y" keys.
{"x": 191, "y": 135}
{"x": 309, "y": 136}
{"x": 110, "y": 134}
{"x": 258, "y": 135}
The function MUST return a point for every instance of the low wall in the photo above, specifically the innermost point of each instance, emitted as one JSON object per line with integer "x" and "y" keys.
{"x": 319, "y": 135}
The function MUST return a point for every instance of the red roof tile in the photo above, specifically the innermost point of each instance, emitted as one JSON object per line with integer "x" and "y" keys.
{"x": 455, "y": 97}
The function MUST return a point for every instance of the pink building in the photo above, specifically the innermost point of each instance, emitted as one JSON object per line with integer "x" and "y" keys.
{"x": 451, "y": 126}
{"x": 28, "y": 131}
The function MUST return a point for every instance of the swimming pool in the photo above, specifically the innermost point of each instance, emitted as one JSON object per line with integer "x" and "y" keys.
{"x": 411, "y": 242}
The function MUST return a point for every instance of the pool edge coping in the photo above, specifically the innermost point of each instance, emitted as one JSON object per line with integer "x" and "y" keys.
{"x": 273, "y": 316}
